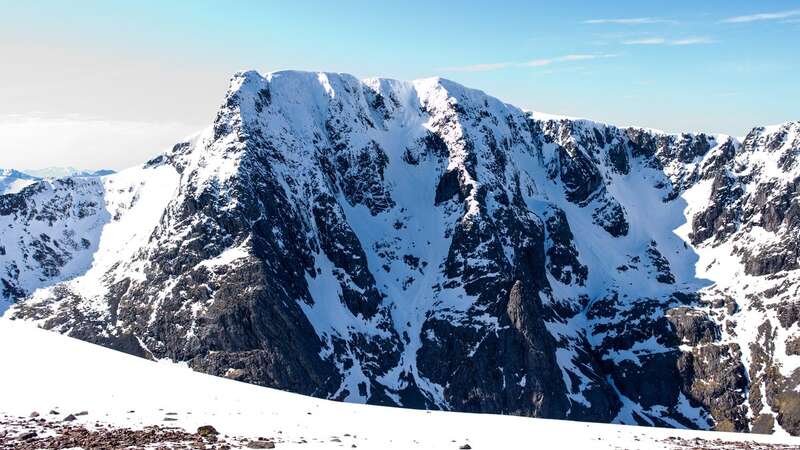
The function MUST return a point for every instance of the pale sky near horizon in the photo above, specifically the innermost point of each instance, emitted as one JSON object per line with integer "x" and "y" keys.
{"x": 108, "y": 84}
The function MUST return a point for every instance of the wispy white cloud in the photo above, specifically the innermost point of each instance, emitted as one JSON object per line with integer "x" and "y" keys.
{"x": 479, "y": 67}
{"x": 693, "y": 41}
{"x": 566, "y": 58}
{"x": 532, "y": 63}
{"x": 646, "y": 41}
{"x": 698, "y": 40}
{"x": 629, "y": 21}
{"x": 760, "y": 17}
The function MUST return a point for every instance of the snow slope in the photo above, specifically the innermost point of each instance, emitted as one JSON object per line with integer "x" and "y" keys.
{"x": 70, "y": 375}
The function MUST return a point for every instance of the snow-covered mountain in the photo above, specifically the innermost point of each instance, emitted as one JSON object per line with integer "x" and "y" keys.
{"x": 13, "y": 181}
{"x": 64, "y": 172}
{"x": 421, "y": 244}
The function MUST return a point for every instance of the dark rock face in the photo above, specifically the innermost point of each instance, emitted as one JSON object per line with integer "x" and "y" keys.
{"x": 777, "y": 214}
{"x": 611, "y": 217}
{"x": 562, "y": 257}
{"x": 543, "y": 386}
{"x": 425, "y": 245}
{"x": 721, "y": 218}
{"x": 763, "y": 424}
{"x": 715, "y": 378}
{"x": 649, "y": 382}
{"x": 693, "y": 327}
{"x": 618, "y": 156}
{"x": 793, "y": 346}
{"x": 659, "y": 264}
{"x": 578, "y": 174}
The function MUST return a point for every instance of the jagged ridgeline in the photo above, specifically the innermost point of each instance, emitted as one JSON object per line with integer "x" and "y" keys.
{"x": 424, "y": 245}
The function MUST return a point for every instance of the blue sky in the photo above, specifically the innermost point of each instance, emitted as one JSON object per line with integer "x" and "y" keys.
{"x": 161, "y": 68}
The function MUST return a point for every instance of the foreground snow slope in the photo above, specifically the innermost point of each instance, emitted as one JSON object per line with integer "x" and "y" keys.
{"x": 51, "y": 371}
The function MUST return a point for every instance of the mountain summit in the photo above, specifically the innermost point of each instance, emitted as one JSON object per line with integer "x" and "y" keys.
{"x": 425, "y": 245}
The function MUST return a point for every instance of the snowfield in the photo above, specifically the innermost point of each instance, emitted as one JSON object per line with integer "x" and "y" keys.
{"x": 46, "y": 371}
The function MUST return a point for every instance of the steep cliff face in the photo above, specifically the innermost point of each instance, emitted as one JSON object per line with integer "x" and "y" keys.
{"x": 421, "y": 244}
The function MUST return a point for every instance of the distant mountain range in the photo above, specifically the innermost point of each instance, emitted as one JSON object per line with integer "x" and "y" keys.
{"x": 62, "y": 172}
{"x": 425, "y": 245}
{"x": 13, "y": 181}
